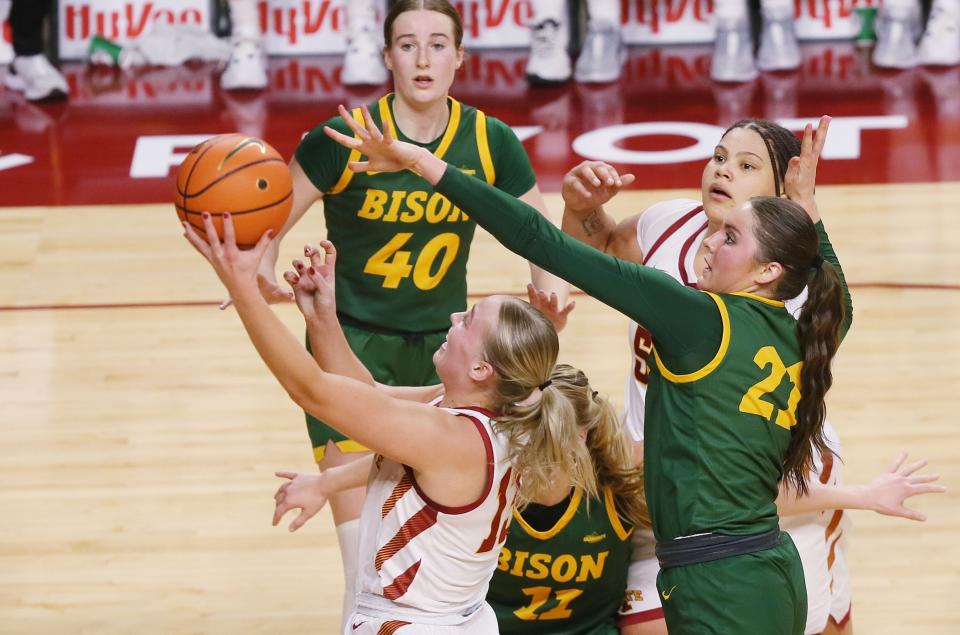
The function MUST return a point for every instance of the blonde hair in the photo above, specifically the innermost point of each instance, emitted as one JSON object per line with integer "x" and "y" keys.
{"x": 543, "y": 433}
{"x": 608, "y": 445}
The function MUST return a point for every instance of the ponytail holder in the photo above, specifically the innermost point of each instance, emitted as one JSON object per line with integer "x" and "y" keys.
{"x": 817, "y": 262}
{"x": 544, "y": 385}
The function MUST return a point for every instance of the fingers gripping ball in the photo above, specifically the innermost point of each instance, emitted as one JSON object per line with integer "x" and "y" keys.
{"x": 241, "y": 175}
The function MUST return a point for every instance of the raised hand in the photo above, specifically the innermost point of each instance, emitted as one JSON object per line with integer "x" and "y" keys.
{"x": 550, "y": 306}
{"x": 303, "y": 491}
{"x": 800, "y": 180}
{"x": 383, "y": 151}
{"x": 314, "y": 285}
{"x": 591, "y": 184}
{"x": 234, "y": 267}
{"x": 887, "y": 493}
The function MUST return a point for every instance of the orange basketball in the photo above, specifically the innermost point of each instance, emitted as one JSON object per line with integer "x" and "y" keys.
{"x": 241, "y": 175}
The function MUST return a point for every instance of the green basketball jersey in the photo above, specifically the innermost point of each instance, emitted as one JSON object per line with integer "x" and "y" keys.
{"x": 716, "y": 438}
{"x": 569, "y": 580}
{"x": 402, "y": 248}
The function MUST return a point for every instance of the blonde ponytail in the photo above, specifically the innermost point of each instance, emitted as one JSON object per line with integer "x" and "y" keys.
{"x": 544, "y": 409}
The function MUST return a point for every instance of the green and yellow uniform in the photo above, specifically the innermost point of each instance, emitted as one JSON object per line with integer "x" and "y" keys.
{"x": 402, "y": 248}
{"x": 722, "y": 400}
{"x": 566, "y": 579}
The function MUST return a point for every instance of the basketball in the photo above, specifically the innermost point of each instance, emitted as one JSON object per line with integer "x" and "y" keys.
{"x": 241, "y": 175}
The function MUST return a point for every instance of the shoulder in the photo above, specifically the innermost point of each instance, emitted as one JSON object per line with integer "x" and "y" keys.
{"x": 500, "y": 134}
{"x": 660, "y": 217}
{"x": 317, "y": 138}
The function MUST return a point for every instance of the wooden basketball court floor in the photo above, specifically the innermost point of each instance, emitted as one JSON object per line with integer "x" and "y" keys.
{"x": 139, "y": 430}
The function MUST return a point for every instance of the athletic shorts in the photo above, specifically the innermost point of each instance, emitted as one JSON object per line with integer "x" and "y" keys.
{"x": 760, "y": 592}
{"x": 641, "y": 602}
{"x": 397, "y": 360}
{"x": 483, "y": 622}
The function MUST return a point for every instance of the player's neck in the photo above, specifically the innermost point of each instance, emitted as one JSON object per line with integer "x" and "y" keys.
{"x": 454, "y": 397}
{"x": 421, "y": 122}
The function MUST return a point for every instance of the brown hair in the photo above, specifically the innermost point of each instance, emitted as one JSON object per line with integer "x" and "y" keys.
{"x": 786, "y": 234}
{"x": 440, "y": 6}
{"x": 781, "y": 146}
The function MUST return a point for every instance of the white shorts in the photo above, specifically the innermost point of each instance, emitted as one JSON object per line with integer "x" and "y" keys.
{"x": 823, "y": 551}
{"x": 821, "y": 539}
{"x": 483, "y": 622}
{"x": 641, "y": 602}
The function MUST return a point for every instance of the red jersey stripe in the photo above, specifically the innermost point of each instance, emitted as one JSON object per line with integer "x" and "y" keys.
{"x": 401, "y": 583}
{"x": 415, "y": 525}
{"x": 671, "y": 230}
{"x": 391, "y": 627}
{"x": 827, "y": 460}
{"x": 401, "y": 488}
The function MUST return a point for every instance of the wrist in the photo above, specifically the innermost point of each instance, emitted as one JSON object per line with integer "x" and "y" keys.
{"x": 427, "y": 166}
{"x": 244, "y": 293}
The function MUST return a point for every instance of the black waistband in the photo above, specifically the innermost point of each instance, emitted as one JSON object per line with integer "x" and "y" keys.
{"x": 706, "y": 547}
{"x": 352, "y": 322}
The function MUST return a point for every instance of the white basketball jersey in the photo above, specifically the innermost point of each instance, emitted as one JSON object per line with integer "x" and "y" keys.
{"x": 669, "y": 234}
{"x": 425, "y": 562}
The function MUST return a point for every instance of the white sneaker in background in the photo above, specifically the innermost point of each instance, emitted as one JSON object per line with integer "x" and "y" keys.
{"x": 940, "y": 44}
{"x": 363, "y": 61}
{"x": 247, "y": 67}
{"x": 602, "y": 55}
{"x": 779, "y": 50}
{"x": 548, "y": 62}
{"x": 36, "y": 78}
{"x": 896, "y": 46}
{"x": 733, "y": 52}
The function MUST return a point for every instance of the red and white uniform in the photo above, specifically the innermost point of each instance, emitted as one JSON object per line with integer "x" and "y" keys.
{"x": 425, "y": 567}
{"x": 669, "y": 233}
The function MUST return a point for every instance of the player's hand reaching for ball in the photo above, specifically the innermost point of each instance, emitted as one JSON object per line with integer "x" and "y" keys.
{"x": 314, "y": 282}
{"x": 591, "y": 184}
{"x": 236, "y": 268}
{"x": 303, "y": 491}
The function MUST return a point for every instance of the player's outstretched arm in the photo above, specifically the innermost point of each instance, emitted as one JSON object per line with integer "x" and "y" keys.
{"x": 309, "y": 491}
{"x": 886, "y": 494}
{"x": 352, "y": 407}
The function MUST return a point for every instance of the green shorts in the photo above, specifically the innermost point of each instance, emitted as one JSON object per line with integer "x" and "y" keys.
{"x": 761, "y": 592}
{"x": 397, "y": 360}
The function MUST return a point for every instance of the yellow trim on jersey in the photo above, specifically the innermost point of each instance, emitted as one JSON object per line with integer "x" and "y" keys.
{"x": 346, "y": 447}
{"x": 386, "y": 115}
{"x": 615, "y": 522}
{"x": 355, "y": 155}
{"x": 713, "y": 363}
{"x": 452, "y": 126}
{"x": 483, "y": 148}
{"x": 759, "y": 298}
{"x": 556, "y": 529}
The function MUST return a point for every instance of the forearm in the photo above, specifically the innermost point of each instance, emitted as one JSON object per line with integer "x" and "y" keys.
{"x": 819, "y": 498}
{"x": 347, "y": 476}
{"x": 594, "y": 227}
{"x": 332, "y": 351}
{"x": 283, "y": 354}
{"x": 828, "y": 254}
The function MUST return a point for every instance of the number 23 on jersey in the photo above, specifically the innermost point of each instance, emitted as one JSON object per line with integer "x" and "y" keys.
{"x": 753, "y": 401}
